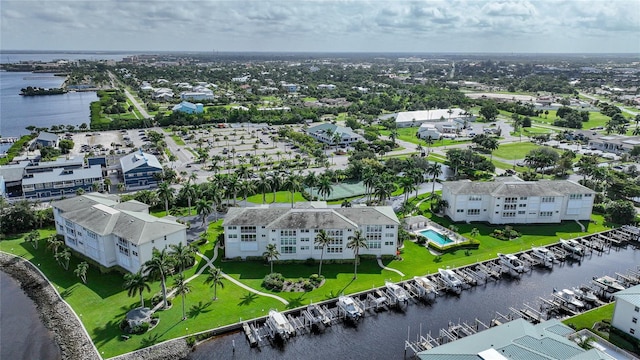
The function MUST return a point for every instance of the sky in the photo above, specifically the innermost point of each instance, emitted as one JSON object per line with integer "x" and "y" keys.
{"x": 513, "y": 26}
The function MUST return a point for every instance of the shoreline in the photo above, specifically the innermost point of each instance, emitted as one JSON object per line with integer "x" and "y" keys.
{"x": 67, "y": 330}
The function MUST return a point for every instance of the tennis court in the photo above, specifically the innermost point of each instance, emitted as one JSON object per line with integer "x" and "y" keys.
{"x": 341, "y": 191}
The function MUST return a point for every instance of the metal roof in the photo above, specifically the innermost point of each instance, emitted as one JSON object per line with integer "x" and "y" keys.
{"x": 45, "y": 136}
{"x": 630, "y": 295}
{"x": 516, "y": 188}
{"x": 429, "y": 115}
{"x": 61, "y": 174}
{"x": 136, "y": 159}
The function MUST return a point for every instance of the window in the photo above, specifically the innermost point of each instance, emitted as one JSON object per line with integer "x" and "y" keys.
{"x": 288, "y": 249}
{"x": 374, "y": 228}
{"x": 460, "y": 210}
{"x": 305, "y": 239}
{"x": 632, "y": 331}
{"x": 232, "y": 228}
{"x": 388, "y": 235}
{"x": 92, "y": 235}
{"x": 390, "y": 227}
{"x": 523, "y": 198}
{"x": 287, "y": 241}
{"x": 522, "y": 205}
{"x": 548, "y": 199}
{"x": 510, "y": 200}
{"x": 247, "y": 229}
{"x": 287, "y": 232}
{"x": 388, "y": 243}
{"x": 546, "y": 213}
{"x": 637, "y": 309}
{"x": 521, "y": 212}
{"x": 509, "y": 214}
{"x": 334, "y": 250}
{"x": 634, "y": 320}
{"x": 68, "y": 223}
{"x": 575, "y": 196}
{"x": 510, "y": 207}
{"x": 134, "y": 253}
{"x": 473, "y": 212}
{"x": 475, "y": 198}
{"x": 306, "y": 231}
{"x": 587, "y": 195}
{"x": 232, "y": 236}
{"x": 374, "y": 244}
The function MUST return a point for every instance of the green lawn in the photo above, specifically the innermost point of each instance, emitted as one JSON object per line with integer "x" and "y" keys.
{"x": 587, "y": 319}
{"x": 515, "y": 151}
{"x": 177, "y": 139}
{"x": 281, "y": 197}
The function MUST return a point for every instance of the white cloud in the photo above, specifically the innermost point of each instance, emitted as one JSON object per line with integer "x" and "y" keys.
{"x": 307, "y": 25}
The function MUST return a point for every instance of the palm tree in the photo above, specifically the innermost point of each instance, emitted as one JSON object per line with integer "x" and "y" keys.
{"x": 63, "y": 258}
{"x": 271, "y": 254}
{"x": 356, "y": 242}
{"x": 182, "y": 255}
{"x": 408, "y": 186}
{"x": 435, "y": 170}
{"x": 276, "y": 183}
{"x": 203, "y": 208}
{"x": 322, "y": 240}
{"x": 345, "y": 203}
{"x": 214, "y": 278}
{"x": 166, "y": 194}
{"x": 293, "y": 183}
{"x": 158, "y": 267}
{"x": 324, "y": 187}
{"x": 474, "y": 232}
{"x": 311, "y": 180}
{"x": 190, "y": 191}
{"x": 247, "y": 187}
{"x": 182, "y": 287}
{"x": 33, "y": 238}
{"x": 81, "y": 271}
{"x": 107, "y": 184}
{"x": 263, "y": 184}
{"x": 54, "y": 243}
{"x": 136, "y": 283}
{"x": 121, "y": 187}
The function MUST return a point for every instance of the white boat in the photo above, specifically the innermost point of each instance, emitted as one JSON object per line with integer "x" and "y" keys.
{"x": 544, "y": 255}
{"x": 430, "y": 288}
{"x": 279, "y": 324}
{"x": 397, "y": 292}
{"x": 573, "y": 247}
{"x": 451, "y": 280}
{"x": 511, "y": 262}
{"x": 608, "y": 284}
{"x": 586, "y": 295}
{"x": 569, "y": 297}
{"x": 350, "y": 308}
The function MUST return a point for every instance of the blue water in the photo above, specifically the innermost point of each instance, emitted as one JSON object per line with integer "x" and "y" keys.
{"x": 17, "y": 112}
{"x": 436, "y": 237}
{"x": 6, "y": 58}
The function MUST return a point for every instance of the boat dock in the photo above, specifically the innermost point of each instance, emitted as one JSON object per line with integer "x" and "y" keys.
{"x": 8, "y": 140}
{"x": 318, "y": 316}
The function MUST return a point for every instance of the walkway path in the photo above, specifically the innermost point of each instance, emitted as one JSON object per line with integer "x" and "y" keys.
{"x": 390, "y": 269}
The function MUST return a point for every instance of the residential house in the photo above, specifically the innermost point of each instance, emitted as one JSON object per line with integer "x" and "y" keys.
{"x": 326, "y": 133}
{"x": 517, "y": 339}
{"x": 626, "y": 314}
{"x": 513, "y": 201}
{"x": 140, "y": 170}
{"x": 616, "y": 144}
{"x": 189, "y": 108}
{"x": 114, "y": 233}
{"x": 416, "y": 118}
{"x": 290, "y": 87}
{"x": 59, "y": 182}
{"x": 248, "y": 231}
{"x": 326, "y": 87}
{"x": 46, "y": 139}
{"x": 204, "y": 94}
{"x": 163, "y": 94}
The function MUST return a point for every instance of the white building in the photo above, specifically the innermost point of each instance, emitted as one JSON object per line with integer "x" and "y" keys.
{"x": 326, "y": 133}
{"x": 205, "y": 94}
{"x": 513, "y": 201}
{"x": 248, "y": 231}
{"x": 416, "y": 118}
{"x": 429, "y": 131}
{"x": 114, "y": 233}
{"x": 626, "y": 314}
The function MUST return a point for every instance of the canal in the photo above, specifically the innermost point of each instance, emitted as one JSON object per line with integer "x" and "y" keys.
{"x": 382, "y": 335}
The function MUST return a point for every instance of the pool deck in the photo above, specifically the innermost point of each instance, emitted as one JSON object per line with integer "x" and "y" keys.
{"x": 451, "y": 235}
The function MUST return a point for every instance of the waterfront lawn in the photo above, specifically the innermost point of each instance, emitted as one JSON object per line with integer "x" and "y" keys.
{"x": 588, "y": 319}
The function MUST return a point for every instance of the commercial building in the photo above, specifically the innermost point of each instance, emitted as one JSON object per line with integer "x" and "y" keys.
{"x": 114, "y": 233}
{"x": 326, "y": 133}
{"x": 189, "y": 108}
{"x": 248, "y": 231}
{"x": 513, "y": 201}
{"x": 516, "y": 339}
{"x": 140, "y": 170}
{"x": 626, "y": 314}
{"x": 46, "y": 139}
{"x": 416, "y": 118}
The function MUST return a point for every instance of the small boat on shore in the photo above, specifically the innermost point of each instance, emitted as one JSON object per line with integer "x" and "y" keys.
{"x": 512, "y": 263}
{"x": 451, "y": 280}
{"x": 573, "y": 247}
{"x": 397, "y": 292}
{"x": 543, "y": 255}
{"x": 279, "y": 325}
{"x": 351, "y": 310}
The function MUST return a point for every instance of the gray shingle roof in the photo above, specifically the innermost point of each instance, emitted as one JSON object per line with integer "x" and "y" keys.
{"x": 13, "y": 172}
{"x": 133, "y": 205}
{"x": 312, "y": 219}
{"x": 516, "y": 188}
{"x": 85, "y": 201}
{"x": 140, "y": 228}
{"x": 133, "y": 160}
{"x": 252, "y": 216}
{"x": 378, "y": 215}
{"x": 45, "y": 136}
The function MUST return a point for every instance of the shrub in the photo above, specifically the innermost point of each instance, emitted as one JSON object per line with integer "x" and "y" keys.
{"x": 273, "y": 282}
{"x": 140, "y": 329}
{"x": 307, "y": 285}
{"x": 191, "y": 340}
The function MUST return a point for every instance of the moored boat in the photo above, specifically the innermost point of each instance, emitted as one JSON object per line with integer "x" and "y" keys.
{"x": 397, "y": 292}
{"x": 573, "y": 247}
{"x": 451, "y": 280}
{"x": 351, "y": 310}
{"x": 512, "y": 263}
{"x": 279, "y": 325}
{"x": 546, "y": 257}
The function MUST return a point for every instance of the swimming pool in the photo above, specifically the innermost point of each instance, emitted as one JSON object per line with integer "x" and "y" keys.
{"x": 436, "y": 237}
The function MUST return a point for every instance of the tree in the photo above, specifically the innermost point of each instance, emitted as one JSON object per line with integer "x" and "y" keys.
{"x": 183, "y": 255}
{"x": 263, "y": 184}
{"x": 203, "y": 208}
{"x": 54, "y": 243}
{"x": 293, "y": 183}
{"x": 63, "y": 258}
{"x": 435, "y": 170}
{"x": 620, "y": 212}
{"x": 158, "y": 267}
{"x": 33, "y": 238}
{"x": 474, "y": 232}
{"x": 271, "y": 254}
{"x": 214, "y": 278}
{"x": 489, "y": 111}
{"x": 136, "y": 283}
{"x": 182, "y": 287}
{"x": 408, "y": 186}
{"x": 65, "y": 145}
{"x": 324, "y": 187}
{"x": 276, "y": 183}
{"x": 81, "y": 271}
{"x": 107, "y": 184}
{"x": 357, "y": 242}
{"x": 322, "y": 240}
{"x": 190, "y": 191}
{"x": 166, "y": 194}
